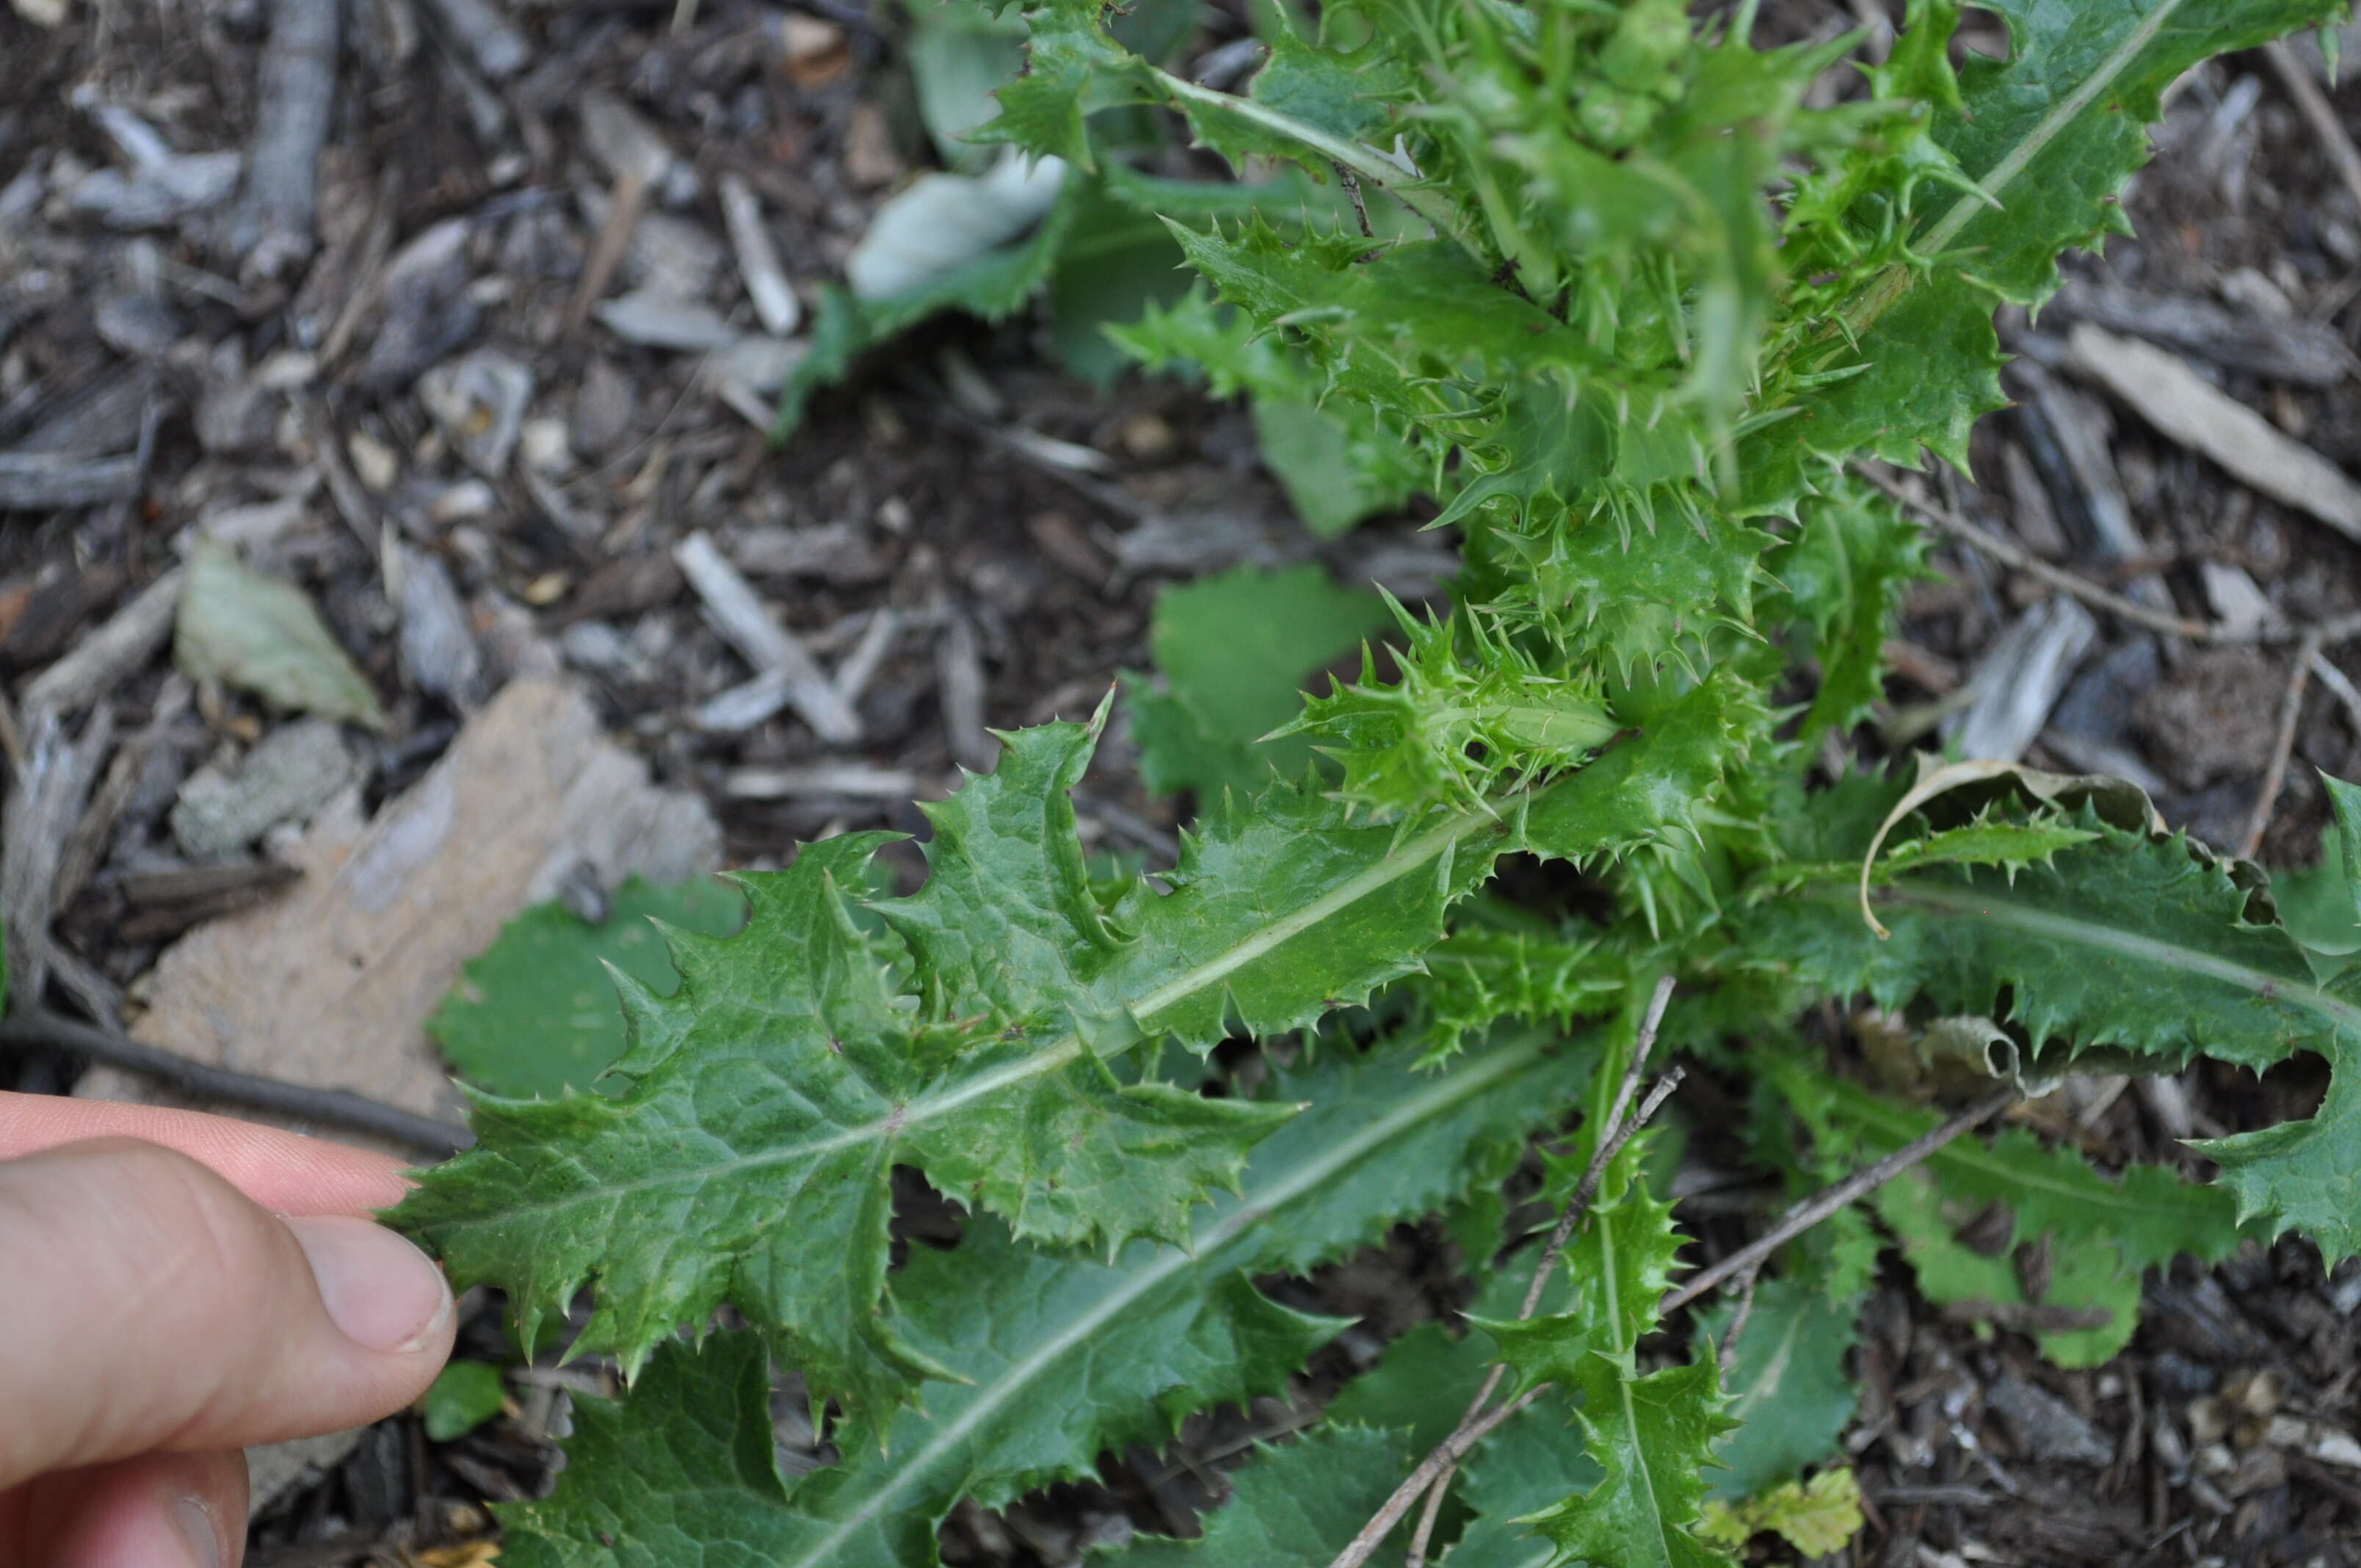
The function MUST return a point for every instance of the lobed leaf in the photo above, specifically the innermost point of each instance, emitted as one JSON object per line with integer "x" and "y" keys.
{"x": 1297, "y": 1502}
{"x": 1075, "y": 1356}
{"x": 1652, "y": 1434}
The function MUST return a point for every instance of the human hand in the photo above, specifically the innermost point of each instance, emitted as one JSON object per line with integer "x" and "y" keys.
{"x": 173, "y": 1288}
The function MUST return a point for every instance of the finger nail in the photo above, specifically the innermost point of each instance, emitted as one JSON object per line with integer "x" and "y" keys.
{"x": 384, "y": 1293}
{"x": 194, "y": 1523}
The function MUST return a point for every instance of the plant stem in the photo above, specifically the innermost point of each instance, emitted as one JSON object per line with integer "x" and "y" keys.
{"x": 1614, "y": 1132}
{"x": 1440, "y": 1464}
{"x": 2009, "y": 554}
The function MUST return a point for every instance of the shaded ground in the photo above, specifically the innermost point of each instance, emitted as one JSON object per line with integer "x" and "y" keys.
{"x": 1020, "y": 576}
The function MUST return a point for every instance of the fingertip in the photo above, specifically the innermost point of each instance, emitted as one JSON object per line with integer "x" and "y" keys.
{"x": 161, "y": 1510}
{"x": 380, "y": 1291}
{"x": 152, "y": 1305}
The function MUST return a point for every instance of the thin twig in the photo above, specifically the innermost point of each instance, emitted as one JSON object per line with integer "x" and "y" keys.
{"x": 337, "y": 1107}
{"x": 1609, "y": 1144}
{"x": 2339, "y": 685}
{"x": 1447, "y": 1453}
{"x": 1614, "y": 1132}
{"x": 2319, "y": 114}
{"x": 1728, "y": 1354}
{"x": 2009, "y": 554}
{"x": 1829, "y": 1200}
{"x": 2267, "y": 799}
{"x": 1351, "y": 183}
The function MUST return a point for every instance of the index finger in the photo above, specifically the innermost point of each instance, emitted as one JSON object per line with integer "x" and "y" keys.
{"x": 283, "y": 1171}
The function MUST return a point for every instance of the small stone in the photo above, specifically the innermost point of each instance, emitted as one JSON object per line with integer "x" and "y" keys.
{"x": 1150, "y": 439}
{"x": 437, "y": 648}
{"x": 603, "y": 405}
{"x": 869, "y": 156}
{"x": 376, "y": 463}
{"x": 293, "y": 772}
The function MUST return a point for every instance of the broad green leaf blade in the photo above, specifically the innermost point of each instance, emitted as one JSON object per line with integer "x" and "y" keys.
{"x": 2145, "y": 943}
{"x": 1298, "y": 1502}
{"x": 1529, "y": 1464}
{"x": 774, "y": 1094}
{"x": 537, "y": 1014}
{"x": 1788, "y": 1386}
{"x": 684, "y": 1471}
{"x": 2052, "y": 133}
{"x": 2141, "y": 943}
{"x": 741, "y": 1165}
{"x": 1079, "y": 1354}
{"x": 2048, "y": 140}
{"x": 1237, "y": 651}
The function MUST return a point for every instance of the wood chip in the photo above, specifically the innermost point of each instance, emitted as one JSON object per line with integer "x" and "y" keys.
{"x": 959, "y": 672}
{"x": 739, "y": 613}
{"x": 43, "y": 808}
{"x": 135, "y": 634}
{"x": 272, "y": 226}
{"x": 758, "y": 260}
{"x": 2020, "y": 678}
{"x": 438, "y": 649}
{"x": 833, "y": 777}
{"x": 2185, "y": 408}
{"x": 487, "y": 37}
{"x": 55, "y": 481}
{"x": 2301, "y": 353}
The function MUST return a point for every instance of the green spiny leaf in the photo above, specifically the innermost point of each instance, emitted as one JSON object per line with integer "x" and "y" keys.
{"x": 1075, "y": 1355}
{"x": 2127, "y": 940}
{"x": 536, "y": 1013}
{"x": 1295, "y": 1502}
{"x": 1528, "y": 1463}
{"x": 1788, "y": 1386}
{"x": 1651, "y": 1433}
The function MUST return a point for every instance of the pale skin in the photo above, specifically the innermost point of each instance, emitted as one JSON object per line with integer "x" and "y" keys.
{"x": 173, "y": 1288}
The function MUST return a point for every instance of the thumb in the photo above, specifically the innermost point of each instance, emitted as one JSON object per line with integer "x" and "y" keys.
{"x": 150, "y": 1306}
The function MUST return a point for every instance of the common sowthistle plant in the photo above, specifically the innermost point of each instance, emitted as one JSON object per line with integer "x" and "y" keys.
{"x": 1642, "y": 313}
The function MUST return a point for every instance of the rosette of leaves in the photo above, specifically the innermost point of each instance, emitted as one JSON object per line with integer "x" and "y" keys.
{"x": 1629, "y": 306}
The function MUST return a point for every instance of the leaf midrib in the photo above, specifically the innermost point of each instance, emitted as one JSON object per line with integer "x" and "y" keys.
{"x": 2118, "y": 1197}
{"x": 1412, "y": 856}
{"x": 2046, "y": 130}
{"x": 1897, "y": 280}
{"x": 1446, "y": 1093}
{"x": 1981, "y": 903}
